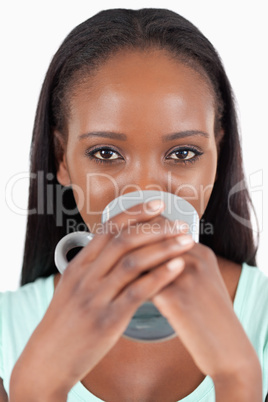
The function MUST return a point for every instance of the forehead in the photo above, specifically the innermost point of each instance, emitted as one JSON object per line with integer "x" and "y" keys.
{"x": 148, "y": 85}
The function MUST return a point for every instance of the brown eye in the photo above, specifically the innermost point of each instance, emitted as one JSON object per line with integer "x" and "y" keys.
{"x": 105, "y": 153}
{"x": 184, "y": 154}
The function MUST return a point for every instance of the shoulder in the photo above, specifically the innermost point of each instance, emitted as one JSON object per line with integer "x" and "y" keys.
{"x": 39, "y": 289}
{"x": 20, "y": 313}
{"x": 244, "y": 282}
{"x": 251, "y": 302}
{"x": 252, "y": 291}
{"x": 254, "y": 285}
{"x": 27, "y": 304}
{"x": 251, "y": 308}
{"x": 248, "y": 288}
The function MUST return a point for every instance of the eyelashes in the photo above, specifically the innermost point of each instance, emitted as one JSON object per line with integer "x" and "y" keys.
{"x": 108, "y": 155}
{"x": 105, "y": 153}
{"x": 185, "y": 155}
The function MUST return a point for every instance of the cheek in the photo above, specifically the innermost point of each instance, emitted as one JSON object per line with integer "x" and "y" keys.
{"x": 92, "y": 192}
{"x": 197, "y": 196}
{"x": 196, "y": 187}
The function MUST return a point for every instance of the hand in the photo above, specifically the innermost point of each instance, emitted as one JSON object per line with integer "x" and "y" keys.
{"x": 199, "y": 308}
{"x": 95, "y": 299}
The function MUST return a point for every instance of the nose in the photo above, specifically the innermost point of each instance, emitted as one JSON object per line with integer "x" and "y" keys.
{"x": 148, "y": 179}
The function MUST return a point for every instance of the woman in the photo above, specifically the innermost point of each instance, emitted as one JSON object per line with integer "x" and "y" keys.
{"x": 136, "y": 99}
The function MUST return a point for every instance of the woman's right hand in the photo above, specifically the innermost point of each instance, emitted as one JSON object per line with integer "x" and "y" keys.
{"x": 96, "y": 298}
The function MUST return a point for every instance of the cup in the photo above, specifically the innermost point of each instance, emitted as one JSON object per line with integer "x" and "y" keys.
{"x": 147, "y": 324}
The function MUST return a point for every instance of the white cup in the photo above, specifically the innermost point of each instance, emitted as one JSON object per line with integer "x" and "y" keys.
{"x": 147, "y": 324}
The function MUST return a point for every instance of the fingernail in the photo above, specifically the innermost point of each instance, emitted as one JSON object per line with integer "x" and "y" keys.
{"x": 184, "y": 240}
{"x": 176, "y": 264}
{"x": 155, "y": 205}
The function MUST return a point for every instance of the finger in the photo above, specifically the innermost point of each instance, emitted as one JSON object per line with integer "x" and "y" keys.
{"x": 201, "y": 272}
{"x": 140, "y": 261}
{"x": 147, "y": 286}
{"x": 131, "y": 238}
{"x": 139, "y": 213}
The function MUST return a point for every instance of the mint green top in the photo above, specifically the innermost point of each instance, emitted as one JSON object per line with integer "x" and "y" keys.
{"x": 22, "y": 310}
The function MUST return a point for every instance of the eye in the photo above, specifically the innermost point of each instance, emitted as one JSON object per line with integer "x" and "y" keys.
{"x": 186, "y": 154}
{"x": 103, "y": 154}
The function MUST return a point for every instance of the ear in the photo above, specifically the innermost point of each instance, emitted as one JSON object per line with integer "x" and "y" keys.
{"x": 62, "y": 168}
{"x": 63, "y": 173}
{"x": 219, "y": 139}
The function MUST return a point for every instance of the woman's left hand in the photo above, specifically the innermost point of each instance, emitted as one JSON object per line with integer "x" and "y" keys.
{"x": 199, "y": 308}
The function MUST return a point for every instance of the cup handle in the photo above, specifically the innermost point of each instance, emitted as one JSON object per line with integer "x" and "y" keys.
{"x": 67, "y": 243}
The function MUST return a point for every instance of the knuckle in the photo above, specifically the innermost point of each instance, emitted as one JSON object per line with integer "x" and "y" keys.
{"x": 85, "y": 302}
{"x": 134, "y": 294}
{"x": 104, "y": 319}
{"x": 122, "y": 241}
{"x": 129, "y": 263}
{"x": 88, "y": 292}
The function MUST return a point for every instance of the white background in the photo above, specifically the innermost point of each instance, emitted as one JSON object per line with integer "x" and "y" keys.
{"x": 31, "y": 32}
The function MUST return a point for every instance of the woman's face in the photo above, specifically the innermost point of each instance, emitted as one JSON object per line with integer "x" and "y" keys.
{"x": 143, "y": 122}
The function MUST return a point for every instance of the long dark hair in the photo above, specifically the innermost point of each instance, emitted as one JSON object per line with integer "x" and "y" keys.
{"x": 83, "y": 51}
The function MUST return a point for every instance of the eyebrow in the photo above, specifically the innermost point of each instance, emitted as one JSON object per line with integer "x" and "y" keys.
{"x": 165, "y": 138}
{"x": 184, "y": 134}
{"x": 104, "y": 134}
